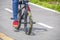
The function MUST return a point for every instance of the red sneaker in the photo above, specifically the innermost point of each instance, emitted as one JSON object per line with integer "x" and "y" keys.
{"x": 15, "y": 24}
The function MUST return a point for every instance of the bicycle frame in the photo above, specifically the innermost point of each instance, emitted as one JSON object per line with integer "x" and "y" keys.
{"x": 25, "y": 3}
{"x": 27, "y": 8}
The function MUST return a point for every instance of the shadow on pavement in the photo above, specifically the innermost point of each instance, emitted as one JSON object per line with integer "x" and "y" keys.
{"x": 33, "y": 30}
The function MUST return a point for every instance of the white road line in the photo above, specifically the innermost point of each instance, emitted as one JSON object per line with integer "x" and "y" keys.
{"x": 44, "y": 8}
{"x": 45, "y": 25}
{"x": 9, "y": 10}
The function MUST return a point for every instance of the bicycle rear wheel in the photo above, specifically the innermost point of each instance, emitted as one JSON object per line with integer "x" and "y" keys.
{"x": 28, "y": 23}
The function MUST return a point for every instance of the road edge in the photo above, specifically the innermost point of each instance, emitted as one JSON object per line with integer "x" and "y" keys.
{"x": 44, "y": 8}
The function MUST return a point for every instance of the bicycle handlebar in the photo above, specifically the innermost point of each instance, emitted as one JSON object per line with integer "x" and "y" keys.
{"x": 22, "y": 2}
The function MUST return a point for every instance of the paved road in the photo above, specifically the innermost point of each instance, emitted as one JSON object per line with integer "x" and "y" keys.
{"x": 47, "y": 26}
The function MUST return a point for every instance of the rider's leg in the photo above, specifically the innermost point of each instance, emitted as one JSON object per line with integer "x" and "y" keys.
{"x": 15, "y": 12}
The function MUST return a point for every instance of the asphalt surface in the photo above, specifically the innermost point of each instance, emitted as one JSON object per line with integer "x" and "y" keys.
{"x": 39, "y": 15}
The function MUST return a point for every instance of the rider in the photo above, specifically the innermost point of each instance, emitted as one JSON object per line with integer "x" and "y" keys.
{"x": 15, "y": 12}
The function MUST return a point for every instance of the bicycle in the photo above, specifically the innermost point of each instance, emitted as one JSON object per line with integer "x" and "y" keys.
{"x": 25, "y": 15}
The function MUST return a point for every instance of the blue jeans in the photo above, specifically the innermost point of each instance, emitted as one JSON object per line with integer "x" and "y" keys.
{"x": 15, "y": 8}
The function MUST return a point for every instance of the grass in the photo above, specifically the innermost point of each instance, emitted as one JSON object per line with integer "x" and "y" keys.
{"x": 52, "y": 4}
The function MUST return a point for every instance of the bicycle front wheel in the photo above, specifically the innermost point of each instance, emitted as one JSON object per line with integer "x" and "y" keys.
{"x": 28, "y": 23}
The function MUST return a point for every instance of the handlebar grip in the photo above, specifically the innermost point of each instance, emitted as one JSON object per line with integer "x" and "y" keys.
{"x": 20, "y": 2}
